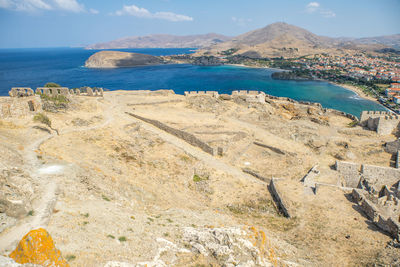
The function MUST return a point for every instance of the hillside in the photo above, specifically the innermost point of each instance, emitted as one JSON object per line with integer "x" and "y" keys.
{"x": 127, "y": 181}
{"x": 115, "y": 59}
{"x": 163, "y": 41}
{"x": 389, "y": 40}
{"x": 282, "y": 39}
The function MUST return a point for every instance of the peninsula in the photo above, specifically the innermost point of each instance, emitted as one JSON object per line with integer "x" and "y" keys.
{"x": 116, "y": 59}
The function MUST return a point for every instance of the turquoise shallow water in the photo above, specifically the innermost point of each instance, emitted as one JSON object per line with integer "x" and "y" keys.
{"x": 35, "y": 67}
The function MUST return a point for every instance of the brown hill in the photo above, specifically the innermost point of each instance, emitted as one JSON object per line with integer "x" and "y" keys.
{"x": 282, "y": 39}
{"x": 163, "y": 41}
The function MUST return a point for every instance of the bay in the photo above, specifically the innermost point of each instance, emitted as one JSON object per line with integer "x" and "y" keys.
{"x": 65, "y": 66}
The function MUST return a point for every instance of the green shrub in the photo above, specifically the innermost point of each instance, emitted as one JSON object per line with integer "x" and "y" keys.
{"x": 70, "y": 257}
{"x": 353, "y": 124}
{"x": 198, "y": 178}
{"x": 42, "y": 118}
{"x": 51, "y": 84}
{"x": 122, "y": 239}
{"x": 59, "y": 99}
{"x": 105, "y": 198}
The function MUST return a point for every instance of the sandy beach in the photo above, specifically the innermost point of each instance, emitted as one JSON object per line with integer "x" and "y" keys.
{"x": 356, "y": 90}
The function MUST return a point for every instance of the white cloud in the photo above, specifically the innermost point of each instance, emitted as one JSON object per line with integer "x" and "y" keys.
{"x": 328, "y": 14}
{"x": 70, "y": 5}
{"x": 25, "y": 5}
{"x": 93, "y": 11}
{"x": 37, "y": 5}
{"x": 144, "y": 13}
{"x": 4, "y": 4}
{"x": 315, "y": 7}
{"x": 172, "y": 16}
{"x": 312, "y": 7}
{"x": 134, "y": 11}
{"x": 241, "y": 21}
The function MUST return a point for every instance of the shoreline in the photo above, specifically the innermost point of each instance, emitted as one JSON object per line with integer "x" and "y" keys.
{"x": 359, "y": 92}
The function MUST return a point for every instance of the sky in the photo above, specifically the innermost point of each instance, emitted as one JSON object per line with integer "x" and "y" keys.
{"x": 61, "y": 23}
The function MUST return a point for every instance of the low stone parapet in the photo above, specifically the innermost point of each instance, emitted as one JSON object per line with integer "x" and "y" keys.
{"x": 202, "y": 93}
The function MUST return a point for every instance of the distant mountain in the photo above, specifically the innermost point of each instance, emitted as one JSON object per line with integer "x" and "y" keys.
{"x": 389, "y": 40}
{"x": 276, "y": 30}
{"x": 282, "y": 39}
{"x": 163, "y": 41}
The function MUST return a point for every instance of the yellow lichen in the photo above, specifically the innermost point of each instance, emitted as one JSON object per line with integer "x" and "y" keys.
{"x": 37, "y": 247}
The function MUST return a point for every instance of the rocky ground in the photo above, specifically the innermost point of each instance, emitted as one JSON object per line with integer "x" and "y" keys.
{"x": 112, "y": 189}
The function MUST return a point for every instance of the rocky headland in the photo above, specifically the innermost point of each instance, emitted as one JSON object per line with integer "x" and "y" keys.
{"x": 117, "y": 59}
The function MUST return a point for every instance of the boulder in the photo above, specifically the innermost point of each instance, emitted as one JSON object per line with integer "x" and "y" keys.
{"x": 16, "y": 192}
{"x": 37, "y": 247}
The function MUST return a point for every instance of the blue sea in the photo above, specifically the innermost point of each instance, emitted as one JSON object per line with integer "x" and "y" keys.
{"x": 65, "y": 66}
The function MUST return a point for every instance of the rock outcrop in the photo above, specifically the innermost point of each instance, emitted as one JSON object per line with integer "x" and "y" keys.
{"x": 37, "y": 247}
{"x": 16, "y": 192}
{"x": 116, "y": 59}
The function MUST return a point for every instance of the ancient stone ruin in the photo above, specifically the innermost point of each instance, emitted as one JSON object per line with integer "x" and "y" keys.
{"x": 377, "y": 192}
{"x": 21, "y": 92}
{"x": 55, "y": 91}
{"x": 380, "y": 121}
{"x": 52, "y": 91}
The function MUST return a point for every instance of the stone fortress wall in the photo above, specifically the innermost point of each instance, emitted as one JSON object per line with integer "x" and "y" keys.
{"x": 53, "y": 91}
{"x": 382, "y": 122}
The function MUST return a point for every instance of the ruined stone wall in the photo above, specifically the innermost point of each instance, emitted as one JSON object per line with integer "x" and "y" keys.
{"x": 53, "y": 91}
{"x": 373, "y": 212}
{"x": 21, "y": 92}
{"x": 387, "y": 124}
{"x": 19, "y": 107}
{"x": 190, "y": 138}
{"x": 350, "y": 172}
{"x": 309, "y": 179}
{"x": 380, "y": 176}
{"x": 278, "y": 197}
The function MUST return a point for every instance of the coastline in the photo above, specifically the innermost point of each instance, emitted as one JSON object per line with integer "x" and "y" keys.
{"x": 356, "y": 90}
{"x": 359, "y": 92}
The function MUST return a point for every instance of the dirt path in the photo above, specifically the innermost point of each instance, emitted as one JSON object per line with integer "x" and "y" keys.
{"x": 43, "y": 211}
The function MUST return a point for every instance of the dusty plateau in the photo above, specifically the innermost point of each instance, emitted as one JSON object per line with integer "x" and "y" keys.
{"x": 116, "y": 187}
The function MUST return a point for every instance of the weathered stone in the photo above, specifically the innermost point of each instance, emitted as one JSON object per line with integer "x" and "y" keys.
{"x": 13, "y": 208}
{"x": 225, "y": 97}
{"x": 89, "y": 91}
{"x": 37, "y": 247}
{"x": 16, "y": 191}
